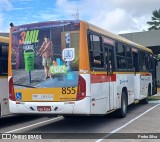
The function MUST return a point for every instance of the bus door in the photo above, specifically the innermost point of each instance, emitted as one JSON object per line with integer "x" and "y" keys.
{"x": 136, "y": 77}
{"x": 153, "y": 70}
{"x": 108, "y": 55}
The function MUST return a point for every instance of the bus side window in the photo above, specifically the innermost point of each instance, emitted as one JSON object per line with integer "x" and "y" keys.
{"x": 96, "y": 51}
{"x": 142, "y": 63}
{"x": 120, "y": 55}
{"x": 3, "y": 59}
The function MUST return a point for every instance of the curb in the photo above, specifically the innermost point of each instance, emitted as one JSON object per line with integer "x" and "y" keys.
{"x": 155, "y": 102}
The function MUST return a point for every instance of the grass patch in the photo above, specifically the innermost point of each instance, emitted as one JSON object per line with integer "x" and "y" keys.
{"x": 152, "y": 98}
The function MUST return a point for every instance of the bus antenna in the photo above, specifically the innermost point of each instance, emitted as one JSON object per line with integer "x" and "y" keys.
{"x": 76, "y": 16}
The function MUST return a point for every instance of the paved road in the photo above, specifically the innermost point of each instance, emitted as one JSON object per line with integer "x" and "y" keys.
{"x": 137, "y": 121}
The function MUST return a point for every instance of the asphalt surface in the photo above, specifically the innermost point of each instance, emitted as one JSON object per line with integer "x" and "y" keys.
{"x": 97, "y": 127}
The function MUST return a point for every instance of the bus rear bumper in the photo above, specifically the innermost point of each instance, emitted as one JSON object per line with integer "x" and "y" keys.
{"x": 70, "y": 107}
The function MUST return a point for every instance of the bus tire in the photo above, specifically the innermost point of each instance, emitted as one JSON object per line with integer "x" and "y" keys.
{"x": 122, "y": 112}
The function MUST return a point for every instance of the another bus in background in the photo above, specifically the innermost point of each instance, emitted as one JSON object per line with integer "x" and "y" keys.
{"x": 4, "y": 90}
{"x": 76, "y": 68}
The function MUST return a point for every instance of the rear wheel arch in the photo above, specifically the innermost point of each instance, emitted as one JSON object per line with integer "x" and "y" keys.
{"x": 124, "y": 104}
{"x": 145, "y": 100}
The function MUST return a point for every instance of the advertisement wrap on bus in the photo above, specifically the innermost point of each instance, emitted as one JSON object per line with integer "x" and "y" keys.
{"x": 45, "y": 59}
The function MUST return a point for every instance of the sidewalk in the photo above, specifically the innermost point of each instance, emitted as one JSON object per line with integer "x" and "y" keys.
{"x": 156, "y": 100}
{"x": 158, "y": 92}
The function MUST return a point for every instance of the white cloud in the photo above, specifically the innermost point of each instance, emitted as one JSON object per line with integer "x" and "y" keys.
{"x": 66, "y": 8}
{"x": 113, "y": 20}
{"x": 98, "y": 12}
{"x": 117, "y": 16}
{"x": 1, "y": 19}
{"x": 137, "y": 6}
{"x": 25, "y": 0}
{"x": 4, "y": 25}
{"x": 47, "y": 16}
{"x": 5, "y": 5}
{"x": 21, "y": 8}
{"x": 124, "y": 15}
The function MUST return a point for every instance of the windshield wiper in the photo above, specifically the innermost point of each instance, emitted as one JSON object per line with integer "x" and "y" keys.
{"x": 25, "y": 86}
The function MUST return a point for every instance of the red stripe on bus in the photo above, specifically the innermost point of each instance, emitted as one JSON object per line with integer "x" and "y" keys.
{"x": 99, "y": 78}
{"x": 146, "y": 74}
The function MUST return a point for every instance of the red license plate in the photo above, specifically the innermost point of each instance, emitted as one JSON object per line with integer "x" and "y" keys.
{"x": 44, "y": 108}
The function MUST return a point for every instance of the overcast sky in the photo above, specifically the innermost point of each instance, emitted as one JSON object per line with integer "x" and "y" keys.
{"x": 117, "y": 16}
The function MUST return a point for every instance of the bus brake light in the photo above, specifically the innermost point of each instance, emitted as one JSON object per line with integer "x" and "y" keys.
{"x": 11, "y": 90}
{"x": 81, "y": 94}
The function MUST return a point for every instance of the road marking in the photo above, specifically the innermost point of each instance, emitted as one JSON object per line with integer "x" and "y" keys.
{"x": 54, "y": 119}
{"x": 123, "y": 126}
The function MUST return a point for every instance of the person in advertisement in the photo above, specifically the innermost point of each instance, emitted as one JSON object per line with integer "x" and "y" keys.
{"x": 46, "y": 52}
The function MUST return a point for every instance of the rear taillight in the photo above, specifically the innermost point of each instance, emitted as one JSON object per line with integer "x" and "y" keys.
{"x": 11, "y": 90}
{"x": 81, "y": 94}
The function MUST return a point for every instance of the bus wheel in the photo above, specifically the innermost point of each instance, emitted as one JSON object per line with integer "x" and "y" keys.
{"x": 122, "y": 112}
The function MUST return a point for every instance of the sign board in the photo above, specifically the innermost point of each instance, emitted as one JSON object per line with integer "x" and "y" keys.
{"x": 68, "y": 54}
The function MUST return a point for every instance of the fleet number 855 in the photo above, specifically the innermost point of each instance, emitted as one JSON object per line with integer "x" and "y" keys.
{"x": 68, "y": 90}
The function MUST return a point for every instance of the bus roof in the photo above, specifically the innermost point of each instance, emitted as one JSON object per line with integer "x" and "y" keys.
{"x": 94, "y": 28}
{"x": 116, "y": 37}
{"x": 4, "y": 39}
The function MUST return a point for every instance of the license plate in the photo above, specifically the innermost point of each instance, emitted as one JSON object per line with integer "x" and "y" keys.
{"x": 44, "y": 108}
{"x": 42, "y": 97}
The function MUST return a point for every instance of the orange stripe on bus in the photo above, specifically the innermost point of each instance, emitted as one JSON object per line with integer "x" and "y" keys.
{"x": 100, "y": 78}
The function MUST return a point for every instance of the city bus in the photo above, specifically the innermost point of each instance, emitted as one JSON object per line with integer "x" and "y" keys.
{"x": 72, "y": 67}
{"x": 4, "y": 95}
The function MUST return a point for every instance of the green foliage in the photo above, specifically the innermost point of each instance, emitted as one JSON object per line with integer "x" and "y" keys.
{"x": 154, "y": 98}
{"x": 155, "y": 23}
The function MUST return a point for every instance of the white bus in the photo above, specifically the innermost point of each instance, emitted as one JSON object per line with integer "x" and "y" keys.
{"x": 4, "y": 93}
{"x": 76, "y": 68}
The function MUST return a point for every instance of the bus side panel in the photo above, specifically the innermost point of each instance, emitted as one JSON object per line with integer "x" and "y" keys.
{"x": 130, "y": 88}
{"x": 100, "y": 87}
{"x": 141, "y": 86}
{"x": 125, "y": 81}
{"x": 4, "y": 96}
{"x": 137, "y": 87}
{"x": 144, "y": 82}
{"x": 82, "y": 107}
{"x": 99, "y": 98}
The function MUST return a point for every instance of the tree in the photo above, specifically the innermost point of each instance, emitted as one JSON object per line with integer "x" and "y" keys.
{"x": 155, "y": 23}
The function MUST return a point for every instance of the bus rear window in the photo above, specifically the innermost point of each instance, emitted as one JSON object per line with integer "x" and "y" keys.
{"x": 46, "y": 54}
